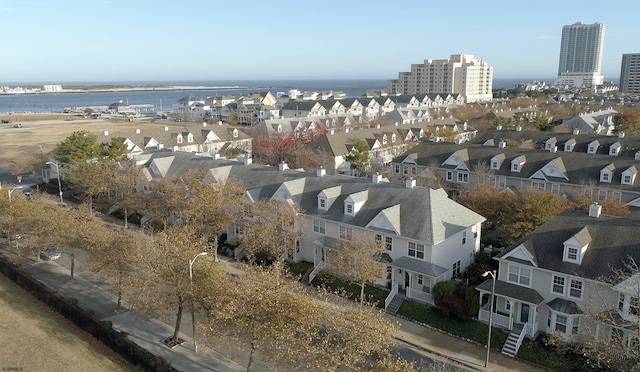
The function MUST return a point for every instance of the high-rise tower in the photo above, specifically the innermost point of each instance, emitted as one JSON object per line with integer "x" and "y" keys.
{"x": 581, "y": 55}
{"x": 630, "y": 73}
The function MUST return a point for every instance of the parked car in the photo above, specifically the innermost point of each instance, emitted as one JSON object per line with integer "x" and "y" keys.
{"x": 50, "y": 256}
{"x": 6, "y": 121}
{"x": 17, "y": 125}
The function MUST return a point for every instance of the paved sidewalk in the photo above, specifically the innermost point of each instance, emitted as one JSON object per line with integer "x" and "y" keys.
{"x": 149, "y": 332}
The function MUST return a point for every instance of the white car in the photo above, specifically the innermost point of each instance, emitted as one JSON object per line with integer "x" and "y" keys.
{"x": 50, "y": 256}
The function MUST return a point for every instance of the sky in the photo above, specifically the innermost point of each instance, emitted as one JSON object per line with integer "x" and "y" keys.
{"x": 55, "y": 41}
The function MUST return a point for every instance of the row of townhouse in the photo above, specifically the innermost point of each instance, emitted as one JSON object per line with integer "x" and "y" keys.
{"x": 563, "y": 163}
{"x": 253, "y": 109}
{"x": 563, "y": 278}
{"x": 220, "y": 139}
{"x": 385, "y": 142}
{"x": 428, "y": 237}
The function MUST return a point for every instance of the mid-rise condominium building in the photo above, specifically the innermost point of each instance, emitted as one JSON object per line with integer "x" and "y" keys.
{"x": 461, "y": 74}
{"x": 581, "y": 55}
{"x": 630, "y": 73}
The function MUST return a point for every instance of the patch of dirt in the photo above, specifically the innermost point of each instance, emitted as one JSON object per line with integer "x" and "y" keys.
{"x": 34, "y": 338}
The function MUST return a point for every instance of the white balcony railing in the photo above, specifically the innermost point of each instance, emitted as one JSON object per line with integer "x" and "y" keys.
{"x": 498, "y": 320}
{"x": 420, "y": 296}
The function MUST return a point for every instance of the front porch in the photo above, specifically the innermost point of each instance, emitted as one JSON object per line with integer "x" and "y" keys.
{"x": 414, "y": 279}
{"x": 513, "y": 306}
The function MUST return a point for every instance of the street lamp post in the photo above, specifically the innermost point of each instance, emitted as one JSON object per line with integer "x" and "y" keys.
{"x": 59, "y": 186}
{"x": 193, "y": 315}
{"x": 493, "y": 290}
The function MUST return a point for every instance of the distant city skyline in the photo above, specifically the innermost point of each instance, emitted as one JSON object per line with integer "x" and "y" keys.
{"x": 143, "y": 40}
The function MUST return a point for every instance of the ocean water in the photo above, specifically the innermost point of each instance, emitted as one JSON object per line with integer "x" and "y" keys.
{"x": 163, "y": 100}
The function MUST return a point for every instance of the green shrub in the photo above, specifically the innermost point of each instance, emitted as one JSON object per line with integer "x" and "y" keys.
{"x": 299, "y": 268}
{"x": 373, "y": 293}
{"x": 443, "y": 289}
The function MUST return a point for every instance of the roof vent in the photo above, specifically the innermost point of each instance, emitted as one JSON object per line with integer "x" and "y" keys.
{"x": 518, "y": 128}
{"x": 166, "y": 129}
{"x": 621, "y": 135}
{"x": 498, "y": 127}
{"x": 216, "y": 156}
{"x": 376, "y": 178}
{"x": 106, "y": 132}
{"x": 502, "y": 144}
{"x": 411, "y": 183}
{"x": 321, "y": 172}
{"x": 594, "y": 210}
{"x": 283, "y": 166}
{"x": 576, "y": 131}
{"x": 137, "y": 131}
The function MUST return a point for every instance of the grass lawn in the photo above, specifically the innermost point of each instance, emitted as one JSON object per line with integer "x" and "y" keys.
{"x": 373, "y": 294}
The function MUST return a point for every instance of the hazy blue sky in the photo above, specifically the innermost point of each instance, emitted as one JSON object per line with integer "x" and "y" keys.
{"x": 117, "y": 40}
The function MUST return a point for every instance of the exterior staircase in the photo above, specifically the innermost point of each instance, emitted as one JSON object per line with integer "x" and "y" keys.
{"x": 395, "y": 303}
{"x": 514, "y": 341}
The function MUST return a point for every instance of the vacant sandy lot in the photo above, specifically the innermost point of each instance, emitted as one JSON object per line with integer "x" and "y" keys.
{"x": 42, "y": 132}
{"x": 36, "y": 339}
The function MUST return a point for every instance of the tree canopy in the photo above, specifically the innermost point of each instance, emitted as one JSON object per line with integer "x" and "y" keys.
{"x": 84, "y": 146}
{"x": 358, "y": 157}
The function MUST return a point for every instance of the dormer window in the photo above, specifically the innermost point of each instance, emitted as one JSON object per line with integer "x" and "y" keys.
{"x": 235, "y": 133}
{"x": 495, "y": 164}
{"x": 614, "y": 149}
{"x": 569, "y": 145}
{"x": 348, "y": 209}
{"x": 515, "y": 167}
{"x": 190, "y": 138}
{"x": 572, "y": 254}
{"x": 593, "y": 147}
{"x": 384, "y": 139}
{"x": 626, "y": 179}
{"x": 606, "y": 174}
{"x": 322, "y": 203}
{"x": 279, "y": 129}
{"x": 393, "y": 137}
{"x": 517, "y": 163}
{"x": 179, "y": 139}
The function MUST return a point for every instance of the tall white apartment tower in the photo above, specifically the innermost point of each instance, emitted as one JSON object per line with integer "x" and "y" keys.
{"x": 461, "y": 73}
{"x": 581, "y": 55}
{"x": 630, "y": 73}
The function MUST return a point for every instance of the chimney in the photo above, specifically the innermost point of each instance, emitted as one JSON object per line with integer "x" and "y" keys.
{"x": 219, "y": 122}
{"x": 332, "y": 132}
{"x": 621, "y": 135}
{"x": 637, "y": 156}
{"x": 377, "y": 126}
{"x": 594, "y": 210}
{"x": 518, "y": 129}
{"x": 376, "y": 178}
{"x": 498, "y": 127}
{"x": 553, "y": 149}
{"x": 247, "y": 160}
{"x": 396, "y": 123}
{"x": 321, "y": 171}
{"x": 137, "y": 131}
{"x": 411, "y": 183}
{"x": 166, "y": 129}
{"x": 576, "y": 131}
{"x": 216, "y": 156}
{"x": 464, "y": 126}
{"x": 502, "y": 144}
{"x": 346, "y": 130}
{"x": 283, "y": 166}
{"x": 204, "y": 123}
{"x": 450, "y": 116}
{"x": 106, "y": 132}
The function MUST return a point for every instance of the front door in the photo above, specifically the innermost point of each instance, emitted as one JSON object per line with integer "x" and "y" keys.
{"x": 406, "y": 279}
{"x": 524, "y": 313}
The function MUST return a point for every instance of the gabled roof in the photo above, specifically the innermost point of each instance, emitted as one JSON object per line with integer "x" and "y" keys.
{"x": 612, "y": 240}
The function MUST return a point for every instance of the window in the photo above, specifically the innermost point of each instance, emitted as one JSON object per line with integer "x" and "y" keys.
{"x": 179, "y": 139}
{"x": 349, "y": 209}
{"x": 507, "y": 305}
{"x": 519, "y": 275}
{"x": 561, "y": 323}
{"x": 464, "y": 237}
{"x": 416, "y": 250}
{"x": 378, "y": 237}
{"x": 396, "y": 168}
{"x": 633, "y": 305}
{"x": 576, "y": 326}
{"x": 463, "y": 177}
{"x": 494, "y": 164}
{"x": 389, "y": 271}
{"x": 319, "y": 226}
{"x": 605, "y": 177}
{"x": 592, "y": 149}
{"x": 575, "y": 288}
{"x": 420, "y": 279}
{"x": 388, "y": 243}
{"x": 558, "y": 284}
{"x": 515, "y": 167}
{"x": 449, "y": 176}
{"x": 346, "y": 232}
{"x": 621, "y": 302}
{"x": 555, "y": 188}
{"x": 538, "y": 185}
{"x": 502, "y": 182}
{"x": 626, "y": 179}
{"x": 572, "y": 254}
{"x": 456, "y": 268}
{"x": 323, "y": 203}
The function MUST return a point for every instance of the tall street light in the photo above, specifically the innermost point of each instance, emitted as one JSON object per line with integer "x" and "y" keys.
{"x": 193, "y": 315}
{"x": 12, "y": 190}
{"x": 493, "y": 290}
{"x": 58, "y": 172}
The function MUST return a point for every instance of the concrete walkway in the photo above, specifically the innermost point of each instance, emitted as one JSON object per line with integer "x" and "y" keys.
{"x": 149, "y": 332}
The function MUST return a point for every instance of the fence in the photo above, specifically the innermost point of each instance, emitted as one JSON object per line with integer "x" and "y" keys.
{"x": 101, "y": 330}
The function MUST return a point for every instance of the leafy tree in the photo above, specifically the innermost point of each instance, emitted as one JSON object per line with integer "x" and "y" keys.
{"x": 123, "y": 178}
{"x": 532, "y": 208}
{"x": 88, "y": 180}
{"x": 356, "y": 259}
{"x": 358, "y": 157}
{"x": 488, "y": 201}
{"x": 84, "y": 146}
{"x": 166, "y": 196}
{"x": 162, "y": 276}
{"x": 623, "y": 122}
{"x": 273, "y": 230}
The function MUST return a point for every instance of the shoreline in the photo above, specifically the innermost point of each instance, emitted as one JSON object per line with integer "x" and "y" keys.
{"x": 119, "y": 88}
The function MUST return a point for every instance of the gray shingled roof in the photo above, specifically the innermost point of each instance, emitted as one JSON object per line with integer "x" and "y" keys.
{"x": 613, "y": 241}
{"x": 528, "y": 295}
{"x": 419, "y": 266}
